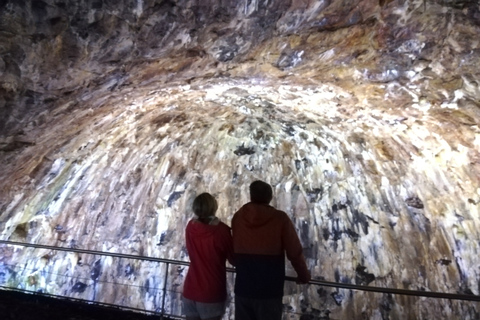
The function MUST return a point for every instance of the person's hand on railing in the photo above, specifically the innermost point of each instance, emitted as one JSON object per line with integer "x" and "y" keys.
{"x": 298, "y": 281}
{"x": 304, "y": 279}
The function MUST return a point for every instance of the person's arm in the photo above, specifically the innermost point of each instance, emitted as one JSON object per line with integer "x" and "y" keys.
{"x": 294, "y": 251}
{"x": 230, "y": 254}
{"x": 227, "y": 244}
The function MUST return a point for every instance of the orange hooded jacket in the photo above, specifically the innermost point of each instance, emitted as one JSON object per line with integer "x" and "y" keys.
{"x": 262, "y": 235}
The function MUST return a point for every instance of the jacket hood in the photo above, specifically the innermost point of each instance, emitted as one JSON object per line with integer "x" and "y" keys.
{"x": 256, "y": 215}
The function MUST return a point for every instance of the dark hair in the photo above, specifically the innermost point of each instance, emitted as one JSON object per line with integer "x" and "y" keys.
{"x": 205, "y": 206}
{"x": 260, "y": 192}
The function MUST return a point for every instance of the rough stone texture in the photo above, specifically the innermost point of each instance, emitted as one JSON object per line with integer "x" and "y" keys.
{"x": 363, "y": 115}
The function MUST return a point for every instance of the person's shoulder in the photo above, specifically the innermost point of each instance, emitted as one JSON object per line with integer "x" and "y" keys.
{"x": 190, "y": 226}
{"x": 282, "y": 215}
{"x": 193, "y": 221}
{"x": 242, "y": 210}
{"x": 278, "y": 211}
{"x": 223, "y": 225}
{"x": 244, "y": 206}
{"x": 223, "y": 230}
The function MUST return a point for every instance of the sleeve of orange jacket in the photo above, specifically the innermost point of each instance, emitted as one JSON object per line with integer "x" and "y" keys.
{"x": 294, "y": 251}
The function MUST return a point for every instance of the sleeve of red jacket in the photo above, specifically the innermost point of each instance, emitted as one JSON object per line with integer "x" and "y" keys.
{"x": 229, "y": 248}
{"x": 225, "y": 243}
{"x": 294, "y": 252}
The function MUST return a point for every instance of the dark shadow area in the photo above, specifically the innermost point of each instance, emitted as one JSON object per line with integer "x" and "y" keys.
{"x": 23, "y": 306}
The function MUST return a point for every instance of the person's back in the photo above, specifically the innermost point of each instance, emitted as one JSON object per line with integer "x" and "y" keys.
{"x": 261, "y": 237}
{"x": 209, "y": 245}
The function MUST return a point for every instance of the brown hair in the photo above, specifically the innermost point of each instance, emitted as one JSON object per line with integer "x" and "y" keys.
{"x": 261, "y": 192}
{"x": 205, "y": 206}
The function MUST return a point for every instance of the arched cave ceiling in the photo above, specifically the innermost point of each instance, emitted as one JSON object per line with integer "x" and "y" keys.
{"x": 363, "y": 115}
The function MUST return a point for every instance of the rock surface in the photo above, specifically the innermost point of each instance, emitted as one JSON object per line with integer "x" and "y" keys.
{"x": 363, "y": 115}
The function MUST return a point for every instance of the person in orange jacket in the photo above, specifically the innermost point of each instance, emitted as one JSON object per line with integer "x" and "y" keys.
{"x": 262, "y": 236}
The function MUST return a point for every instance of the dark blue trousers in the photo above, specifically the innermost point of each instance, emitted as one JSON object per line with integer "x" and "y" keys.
{"x": 258, "y": 309}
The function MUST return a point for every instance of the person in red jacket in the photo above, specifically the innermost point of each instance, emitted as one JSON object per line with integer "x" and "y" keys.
{"x": 262, "y": 235}
{"x": 209, "y": 245}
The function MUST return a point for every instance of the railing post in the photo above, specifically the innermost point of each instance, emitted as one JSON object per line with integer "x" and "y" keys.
{"x": 164, "y": 290}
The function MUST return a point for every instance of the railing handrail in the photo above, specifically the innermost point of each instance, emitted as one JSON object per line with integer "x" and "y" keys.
{"x": 102, "y": 253}
{"x": 406, "y": 292}
{"x": 418, "y": 293}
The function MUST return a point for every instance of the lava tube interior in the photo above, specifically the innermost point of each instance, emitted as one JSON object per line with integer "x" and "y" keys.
{"x": 363, "y": 116}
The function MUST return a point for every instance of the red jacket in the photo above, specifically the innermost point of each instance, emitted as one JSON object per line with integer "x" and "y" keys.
{"x": 208, "y": 246}
{"x": 262, "y": 235}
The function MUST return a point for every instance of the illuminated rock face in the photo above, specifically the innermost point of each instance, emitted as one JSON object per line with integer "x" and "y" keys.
{"x": 363, "y": 116}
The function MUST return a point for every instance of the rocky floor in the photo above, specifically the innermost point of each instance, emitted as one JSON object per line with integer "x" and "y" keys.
{"x": 20, "y": 306}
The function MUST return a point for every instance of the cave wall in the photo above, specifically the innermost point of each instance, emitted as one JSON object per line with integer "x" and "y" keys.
{"x": 363, "y": 115}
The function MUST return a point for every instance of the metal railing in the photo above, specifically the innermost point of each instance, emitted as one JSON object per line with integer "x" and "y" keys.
{"x": 168, "y": 262}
